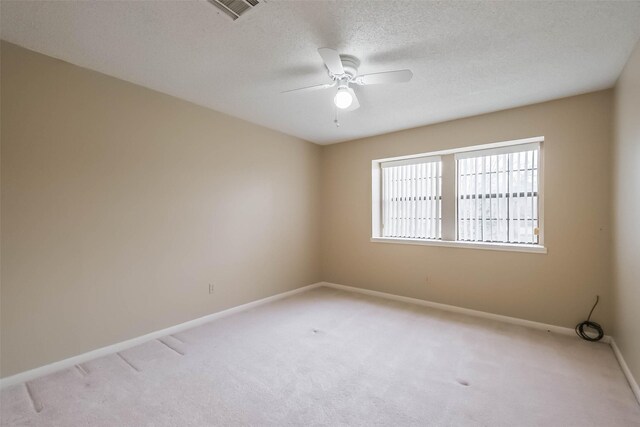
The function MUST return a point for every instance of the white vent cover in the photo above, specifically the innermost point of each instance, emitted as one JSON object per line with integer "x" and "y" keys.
{"x": 234, "y": 9}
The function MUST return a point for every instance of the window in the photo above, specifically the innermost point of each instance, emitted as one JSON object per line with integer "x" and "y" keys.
{"x": 498, "y": 195}
{"x": 484, "y": 196}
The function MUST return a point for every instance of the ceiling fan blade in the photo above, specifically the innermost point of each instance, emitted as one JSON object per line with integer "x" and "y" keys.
{"x": 399, "y": 76}
{"x": 311, "y": 88}
{"x": 332, "y": 60}
{"x": 355, "y": 104}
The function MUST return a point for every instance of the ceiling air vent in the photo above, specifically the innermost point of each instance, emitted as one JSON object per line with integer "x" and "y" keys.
{"x": 234, "y": 9}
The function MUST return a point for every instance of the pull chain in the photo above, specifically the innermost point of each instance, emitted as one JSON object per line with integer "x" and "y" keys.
{"x": 336, "y": 119}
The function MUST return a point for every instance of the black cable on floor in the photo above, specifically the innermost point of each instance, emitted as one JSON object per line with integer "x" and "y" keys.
{"x": 581, "y": 328}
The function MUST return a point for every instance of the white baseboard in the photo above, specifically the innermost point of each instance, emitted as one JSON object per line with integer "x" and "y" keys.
{"x": 469, "y": 312}
{"x": 114, "y": 348}
{"x": 625, "y": 369}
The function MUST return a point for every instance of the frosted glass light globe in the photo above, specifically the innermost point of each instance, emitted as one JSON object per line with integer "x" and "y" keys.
{"x": 343, "y": 98}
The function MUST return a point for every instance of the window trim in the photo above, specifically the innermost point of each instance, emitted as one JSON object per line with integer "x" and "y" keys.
{"x": 450, "y": 199}
{"x": 411, "y": 161}
{"x": 512, "y": 247}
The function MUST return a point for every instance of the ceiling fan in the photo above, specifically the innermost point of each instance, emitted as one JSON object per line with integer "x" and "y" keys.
{"x": 343, "y": 71}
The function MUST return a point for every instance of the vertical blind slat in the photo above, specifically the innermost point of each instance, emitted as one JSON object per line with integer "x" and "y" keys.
{"x": 524, "y": 224}
{"x": 462, "y": 205}
{"x": 437, "y": 178}
{"x": 389, "y": 228}
{"x": 434, "y": 186}
{"x": 425, "y": 203}
{"x": 514, "y": 200}
{"x": 534, "y": 225}
{"x": 414, "y": 202}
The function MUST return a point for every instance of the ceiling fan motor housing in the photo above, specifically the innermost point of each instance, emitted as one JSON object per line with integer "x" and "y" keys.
{"x": 350, "y": 65}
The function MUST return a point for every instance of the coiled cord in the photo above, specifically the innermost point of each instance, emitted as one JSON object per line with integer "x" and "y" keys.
{"x": 588, "y": 324}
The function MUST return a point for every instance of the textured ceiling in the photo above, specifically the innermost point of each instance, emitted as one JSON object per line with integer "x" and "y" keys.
{"x": 468, "y": 58}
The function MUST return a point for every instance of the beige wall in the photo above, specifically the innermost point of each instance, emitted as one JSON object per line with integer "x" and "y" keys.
{"x": 558, "y": 288}
{"x": 626, "y": 261}
{"x": 120, "y": 205}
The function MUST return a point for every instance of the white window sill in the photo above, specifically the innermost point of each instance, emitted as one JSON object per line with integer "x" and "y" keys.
{"x": 512, "y": 247}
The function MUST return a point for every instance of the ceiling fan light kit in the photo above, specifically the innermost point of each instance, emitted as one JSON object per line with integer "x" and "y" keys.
{"x": 343, "y": 71}
{"x": 343, "y": 98}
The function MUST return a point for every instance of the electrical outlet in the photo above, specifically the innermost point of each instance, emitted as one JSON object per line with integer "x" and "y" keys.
{"x": 211, "y": 288}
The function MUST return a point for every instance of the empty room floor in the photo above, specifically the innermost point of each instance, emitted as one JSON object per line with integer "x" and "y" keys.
{"x": 329, "y": 357}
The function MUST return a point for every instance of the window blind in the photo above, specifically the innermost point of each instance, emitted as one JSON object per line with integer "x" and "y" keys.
{"x": 412, "y": 198}
{"x": 498, "y": 195}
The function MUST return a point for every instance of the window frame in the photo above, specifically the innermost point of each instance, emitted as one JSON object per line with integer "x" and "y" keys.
{"x": 450, "y": 199}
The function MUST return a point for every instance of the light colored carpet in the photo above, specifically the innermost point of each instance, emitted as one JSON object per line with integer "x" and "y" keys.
{"x": 327, "y": 357}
